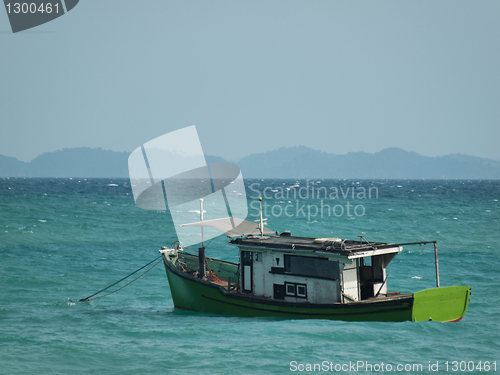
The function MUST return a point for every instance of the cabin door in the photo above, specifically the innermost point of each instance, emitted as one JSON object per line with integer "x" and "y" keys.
{"x": 350, "y": 283}
{"x": 247, "y": 271}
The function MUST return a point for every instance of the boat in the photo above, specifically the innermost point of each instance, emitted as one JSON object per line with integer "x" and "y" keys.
{"x": 277, "y": 274}
{"x": 303, "y": 277}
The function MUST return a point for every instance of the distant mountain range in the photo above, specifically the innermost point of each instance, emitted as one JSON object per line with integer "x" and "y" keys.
{"x": 391, "y": 163}
{"x": 70, "y": 162}
{"x": 287, "y": 162}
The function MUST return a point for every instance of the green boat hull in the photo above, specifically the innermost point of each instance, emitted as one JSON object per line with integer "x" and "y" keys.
{"x": 191, "y": 293}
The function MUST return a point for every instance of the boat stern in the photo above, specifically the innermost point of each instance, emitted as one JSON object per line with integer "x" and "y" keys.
{"x": 447, "y": 304}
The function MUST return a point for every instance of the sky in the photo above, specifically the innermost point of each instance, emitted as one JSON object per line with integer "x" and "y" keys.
{"x": 254, "y": 76}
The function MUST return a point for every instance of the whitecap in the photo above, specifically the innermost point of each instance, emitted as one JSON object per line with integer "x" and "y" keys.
{"x": 42, "y": 221}
{"x": 112, "y": 185}
{"x": 416, "y": 277}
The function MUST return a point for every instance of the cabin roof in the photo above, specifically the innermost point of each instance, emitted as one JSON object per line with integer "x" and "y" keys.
{"x": 349, "y": 248}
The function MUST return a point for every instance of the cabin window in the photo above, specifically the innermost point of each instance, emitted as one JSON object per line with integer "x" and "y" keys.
{"x": 301, "y": 291}
{"x": 288, "y": 266}
{"x": 258, "y": 257}
{"x": 311, "y": 267}
{"x": 247, "y": 256}
{"x": 296, "y": 290}
{"x": 367, "y": 261}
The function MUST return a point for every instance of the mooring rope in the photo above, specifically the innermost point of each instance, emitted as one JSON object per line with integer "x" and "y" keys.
{"x": 89, "y": 298}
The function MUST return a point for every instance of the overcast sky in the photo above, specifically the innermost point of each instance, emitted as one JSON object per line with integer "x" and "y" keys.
{"x": 253, "y": 76}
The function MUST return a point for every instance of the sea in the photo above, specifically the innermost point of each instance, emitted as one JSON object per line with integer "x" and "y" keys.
{"x": 64, "y": 239}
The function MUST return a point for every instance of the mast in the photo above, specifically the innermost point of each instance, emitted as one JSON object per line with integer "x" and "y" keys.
{"x": 437, "y": 263}
{"x": 261, "y": 220}
{"x": 201, "y": 250}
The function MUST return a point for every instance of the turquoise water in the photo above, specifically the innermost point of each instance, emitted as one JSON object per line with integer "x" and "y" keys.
{"x": 63, "y": 239}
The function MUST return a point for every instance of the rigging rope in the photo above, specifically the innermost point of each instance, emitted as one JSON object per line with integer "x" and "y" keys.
{"x": 89, "y": 298}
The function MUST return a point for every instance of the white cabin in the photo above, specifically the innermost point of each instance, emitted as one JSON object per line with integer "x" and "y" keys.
{"x": 300, "y": 269}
